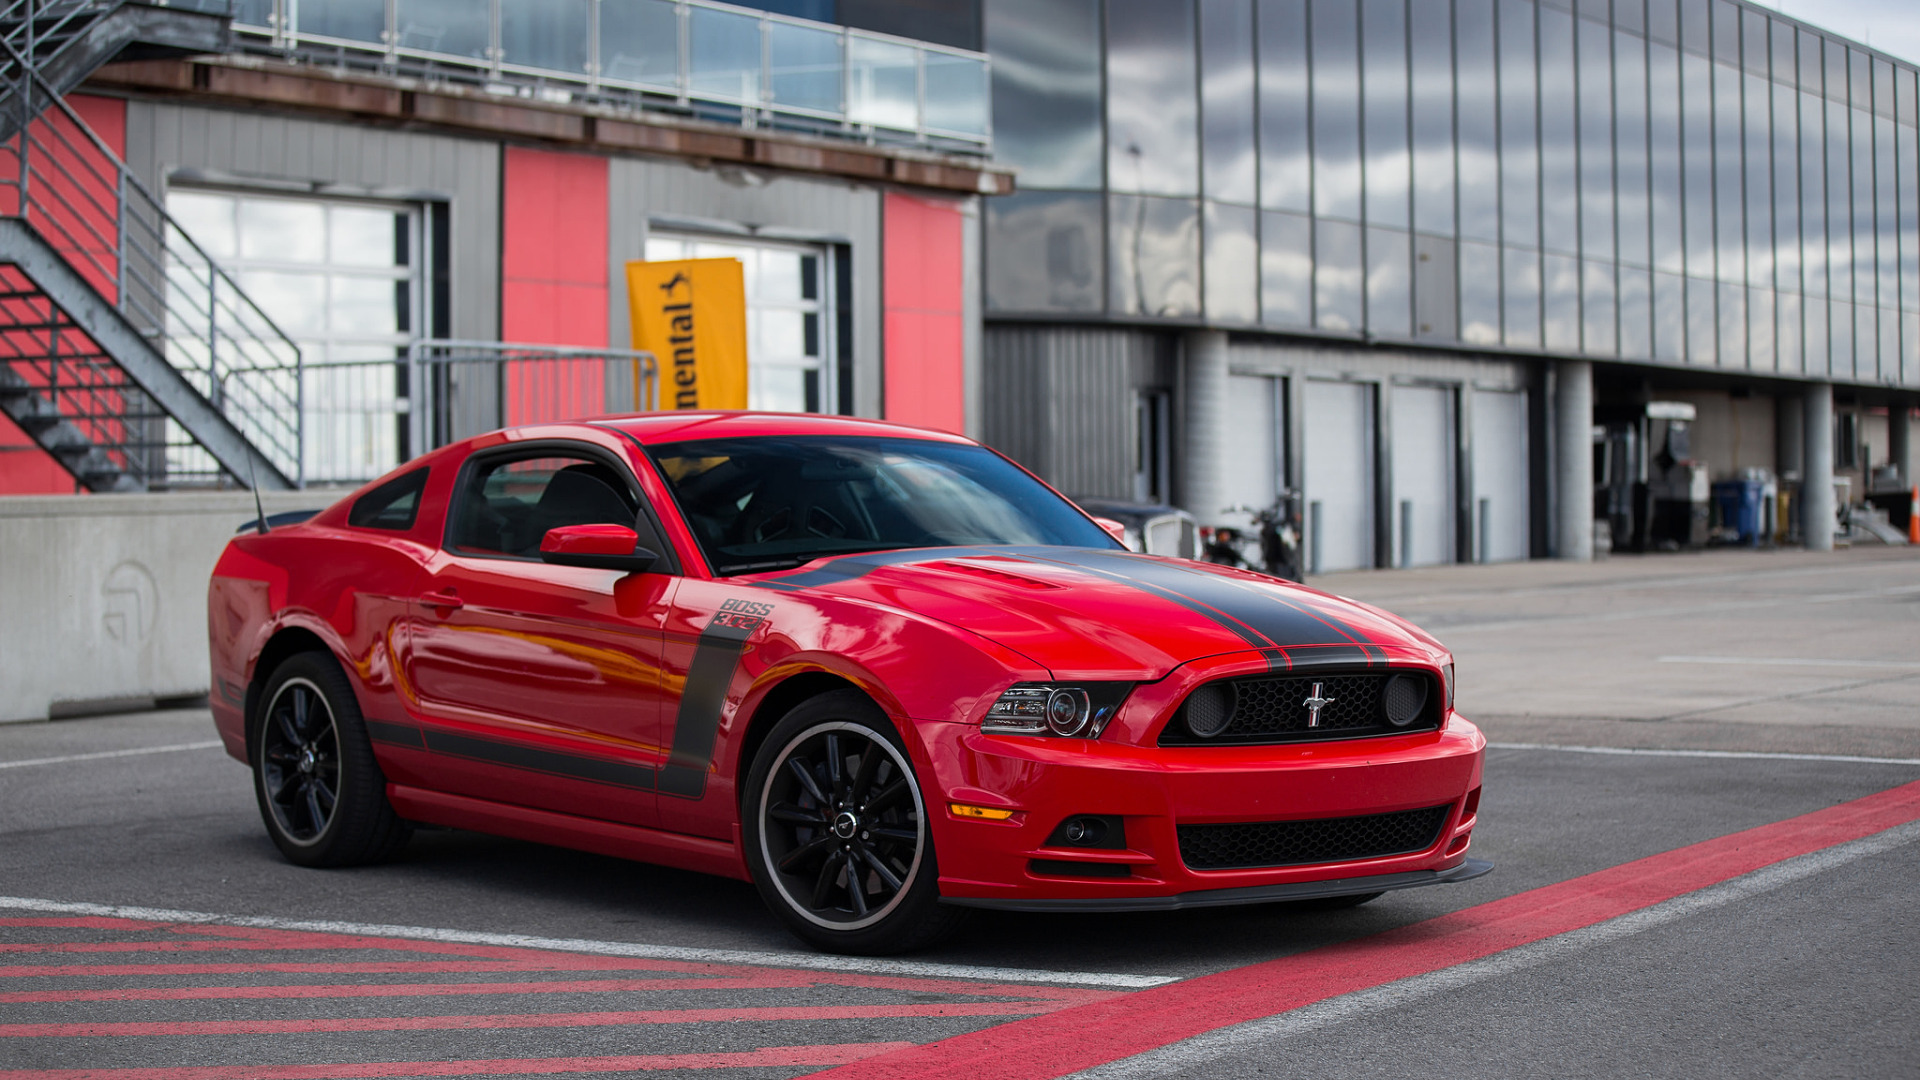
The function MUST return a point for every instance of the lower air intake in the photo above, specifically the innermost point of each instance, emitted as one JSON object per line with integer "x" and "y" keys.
{"x": 1251, "y": 845}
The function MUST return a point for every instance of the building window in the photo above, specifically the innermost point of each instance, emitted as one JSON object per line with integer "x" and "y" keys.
{"x": 344, "y": 279}
{"x": 789, "y": 336}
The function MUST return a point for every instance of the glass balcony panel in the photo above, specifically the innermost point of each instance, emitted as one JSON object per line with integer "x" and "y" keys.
{"x": 1286, "y": 269}
{"x": 1561, "y": 288}
{"x": 1339, "y": 276}
{"x": 1232, "y": 254}
{"x": 1043, "y": 252}
{"x": 1479, "y": 293}
{"x": 1760, "y": 350}
{"x": 1786, "y": 66}
{"x": 551, "y": 34}
{"x": 1790, "y": 339}
{"x": 1153, "y": 256}
{"x": 1597, "y": 312}
{"x": 957, "y": 94}
{"x": 1636, "y": 314}
{"x": 883, "y": 85}
{"x": 724, "y": 53}
{"x": 640, "y": 42}
{"x": 1521, "y": 299}
{"x": 353, "y": 20}
{"x": 806, "y": 69}
{"x": 449, "y": 27}
{"x": 1389, "y": 282}
{"x": 253, "y": 13}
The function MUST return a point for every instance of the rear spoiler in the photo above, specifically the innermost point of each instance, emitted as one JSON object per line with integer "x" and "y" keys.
{"x": 274, "y": 521}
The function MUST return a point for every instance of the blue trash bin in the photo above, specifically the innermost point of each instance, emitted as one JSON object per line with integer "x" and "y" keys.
{"x": 1739, "y": 505}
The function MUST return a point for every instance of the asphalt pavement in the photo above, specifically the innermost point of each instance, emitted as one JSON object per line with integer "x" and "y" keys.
{"x": 1705, "y": 857}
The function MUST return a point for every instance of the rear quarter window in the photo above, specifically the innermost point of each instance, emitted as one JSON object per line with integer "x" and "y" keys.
{"x": 392, "y": 506}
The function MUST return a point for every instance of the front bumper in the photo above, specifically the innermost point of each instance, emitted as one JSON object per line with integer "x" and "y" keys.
{"x": 1154, "y": 790}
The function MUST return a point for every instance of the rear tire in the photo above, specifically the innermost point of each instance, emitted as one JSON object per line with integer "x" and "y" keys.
{"x": 321, "y": 794}
{"x": 832, "y": 787}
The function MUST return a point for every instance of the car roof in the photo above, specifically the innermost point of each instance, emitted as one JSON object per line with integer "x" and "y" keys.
{"x": 665, "y": 427}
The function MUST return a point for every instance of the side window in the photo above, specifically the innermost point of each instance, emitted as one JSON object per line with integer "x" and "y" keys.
{"x": 392, "y": 505}
{"x": 506, "y": 505}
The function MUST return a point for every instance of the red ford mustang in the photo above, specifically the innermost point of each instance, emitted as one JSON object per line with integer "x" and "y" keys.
{"x": 881, "y": 672}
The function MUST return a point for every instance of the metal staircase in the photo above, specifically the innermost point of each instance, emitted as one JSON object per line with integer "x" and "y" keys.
{"x": 125, "y": 351}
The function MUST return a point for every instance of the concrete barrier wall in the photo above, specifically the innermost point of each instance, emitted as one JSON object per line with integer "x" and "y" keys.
{"x": 103, "y": 598}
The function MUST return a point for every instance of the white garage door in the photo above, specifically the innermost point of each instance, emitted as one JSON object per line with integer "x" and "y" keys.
{"x": 1500, "y": 487}
{"x": 1424, "y": 520}
{"x": 1253, "y": 468}
{"x": 1339, "y": 475}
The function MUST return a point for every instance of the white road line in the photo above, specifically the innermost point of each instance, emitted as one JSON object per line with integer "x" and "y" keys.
{"x": 208, "y": 745}
{"x": 809, "y": 961}
{"x": 1739, "y": 754}
{"x": 1801, "y": 661}
{"x": 1256, "y": 1035}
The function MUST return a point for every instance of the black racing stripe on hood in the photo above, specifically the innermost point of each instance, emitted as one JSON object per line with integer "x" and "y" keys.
{"x": 1281, "y": 621}
{"x": 1276, "y": 656}
{"x": 849, "y": 567}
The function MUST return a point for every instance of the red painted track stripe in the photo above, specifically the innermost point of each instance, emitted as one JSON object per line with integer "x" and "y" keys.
{"x": 773, "y": 1057}
{"x": 770, "y": 980}
{"x": 371, "y": 990}
{"x": 527, "y": 1020}
{"x": 1069, "y": 1040}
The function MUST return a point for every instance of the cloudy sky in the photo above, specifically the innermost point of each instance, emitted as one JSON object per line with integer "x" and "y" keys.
{"x": 1892, "y": 26}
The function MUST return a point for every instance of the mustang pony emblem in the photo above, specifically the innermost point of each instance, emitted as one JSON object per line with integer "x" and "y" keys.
{"x": 1314, "y": 704}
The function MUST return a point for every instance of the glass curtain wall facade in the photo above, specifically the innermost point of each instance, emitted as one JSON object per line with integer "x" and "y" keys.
{"x": 1694, "y": 182}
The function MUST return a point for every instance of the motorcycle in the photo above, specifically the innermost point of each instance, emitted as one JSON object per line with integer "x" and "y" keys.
{"x": 1271, "y": 546}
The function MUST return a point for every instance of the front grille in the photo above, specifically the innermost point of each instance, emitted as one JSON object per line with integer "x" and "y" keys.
{"x": 1294, "y": 843}
{"x": 1272, "y": 708}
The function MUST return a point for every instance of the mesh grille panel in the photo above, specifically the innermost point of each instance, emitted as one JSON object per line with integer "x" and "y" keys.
{"x": 1294, "y": 843}
{"x": 1273, "y": 709}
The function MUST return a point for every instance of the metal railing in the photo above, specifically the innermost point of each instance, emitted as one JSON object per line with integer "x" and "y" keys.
{"x": 710, "y": 60}
{"x": 365, "y": 417}
{"x": 60, "y": 177}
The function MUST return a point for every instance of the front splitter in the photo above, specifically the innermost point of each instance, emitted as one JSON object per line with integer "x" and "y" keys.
{"x": 1255, "y": 894}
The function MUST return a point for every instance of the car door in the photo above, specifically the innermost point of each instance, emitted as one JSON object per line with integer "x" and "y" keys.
{"x": 540, "y": 685}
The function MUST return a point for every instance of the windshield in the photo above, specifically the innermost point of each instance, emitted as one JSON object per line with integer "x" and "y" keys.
{"x": 773, "y": 502}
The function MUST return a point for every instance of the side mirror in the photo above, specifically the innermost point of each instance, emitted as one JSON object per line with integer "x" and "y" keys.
{"x": 597, "y": 547}
{"x": 1116, "y": 530}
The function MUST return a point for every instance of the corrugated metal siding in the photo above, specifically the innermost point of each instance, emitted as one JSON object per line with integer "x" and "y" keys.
{"x": 1060, "y": 400}
{"x": 780, "y": 208}
{"x": 258, "y": 147}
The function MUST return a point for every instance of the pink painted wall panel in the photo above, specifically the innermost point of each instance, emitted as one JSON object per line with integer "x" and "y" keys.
{"x": 924, "y": 336}
{"x": 553, "y": 279}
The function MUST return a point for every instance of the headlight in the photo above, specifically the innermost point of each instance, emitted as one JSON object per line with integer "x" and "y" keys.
{"x": 1446, "y": 679}
{"x": 1080, "y": 710}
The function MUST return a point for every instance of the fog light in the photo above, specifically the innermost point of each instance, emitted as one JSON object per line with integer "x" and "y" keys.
{"x": 1210, "y": 709}
{"x": 1404, "y": 697}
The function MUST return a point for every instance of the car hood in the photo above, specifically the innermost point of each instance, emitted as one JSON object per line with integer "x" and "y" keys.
{"x": 1089, "y": 613}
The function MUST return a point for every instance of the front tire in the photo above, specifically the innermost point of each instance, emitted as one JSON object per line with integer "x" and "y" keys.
{"x": 321, "y": 794}
{"x": 837, "y": 832}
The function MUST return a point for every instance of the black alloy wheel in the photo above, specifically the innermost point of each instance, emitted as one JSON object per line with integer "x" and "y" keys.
{"x": 837, "y": 831}
{"x": 321, "y": 793}
{"x": 300, "y": 761}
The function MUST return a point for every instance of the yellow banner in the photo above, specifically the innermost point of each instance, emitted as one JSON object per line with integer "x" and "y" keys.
{"x": 691, "y": 314}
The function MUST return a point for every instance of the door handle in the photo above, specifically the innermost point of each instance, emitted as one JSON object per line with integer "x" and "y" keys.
{"x": 444, "y": 600}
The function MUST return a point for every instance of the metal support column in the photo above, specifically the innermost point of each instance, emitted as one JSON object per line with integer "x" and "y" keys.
{"x": 1573, "y": 460}
{"x": 1816, "y": 481}
{"x": 1203, "y": 464}
{"x": 1900, "y": 440}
